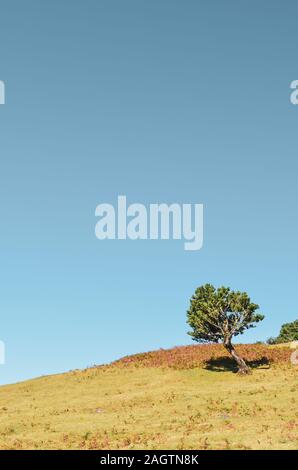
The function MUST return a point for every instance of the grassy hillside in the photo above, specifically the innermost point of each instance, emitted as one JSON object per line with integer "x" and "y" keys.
{"x": 183, "y": 398}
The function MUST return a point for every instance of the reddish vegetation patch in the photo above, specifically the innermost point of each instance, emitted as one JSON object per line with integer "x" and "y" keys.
{"x": 207, "y": 355}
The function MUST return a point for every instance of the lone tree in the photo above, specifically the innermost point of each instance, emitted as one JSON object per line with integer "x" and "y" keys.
{"x": 216, "y": 315}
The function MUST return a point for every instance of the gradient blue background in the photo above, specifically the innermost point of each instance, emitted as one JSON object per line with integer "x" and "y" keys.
{"x": 163, "y": 101}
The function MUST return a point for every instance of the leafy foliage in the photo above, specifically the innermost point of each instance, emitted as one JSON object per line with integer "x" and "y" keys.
{"x": 219, "y": 314}
{"x": 288, "y": 332}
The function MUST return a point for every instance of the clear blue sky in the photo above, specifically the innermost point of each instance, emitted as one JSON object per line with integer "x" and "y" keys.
{"x": 163, "y": 101}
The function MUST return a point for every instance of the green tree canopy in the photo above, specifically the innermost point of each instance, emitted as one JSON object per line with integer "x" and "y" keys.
{"x": 288, "y": 332}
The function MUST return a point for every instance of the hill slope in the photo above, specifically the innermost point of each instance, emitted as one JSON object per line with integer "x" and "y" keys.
{"x": 154, "y": 401}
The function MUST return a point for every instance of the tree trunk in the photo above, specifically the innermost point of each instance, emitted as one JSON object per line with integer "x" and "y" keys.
{"x": 243, "y": 368}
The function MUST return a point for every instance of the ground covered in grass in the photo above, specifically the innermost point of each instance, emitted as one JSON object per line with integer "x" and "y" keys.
{"x": 136, "y": 405}
{"x": 212, "y": 356}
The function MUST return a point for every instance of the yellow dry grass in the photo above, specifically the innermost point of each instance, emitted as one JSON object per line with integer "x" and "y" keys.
{"x": 152, "y": 408}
